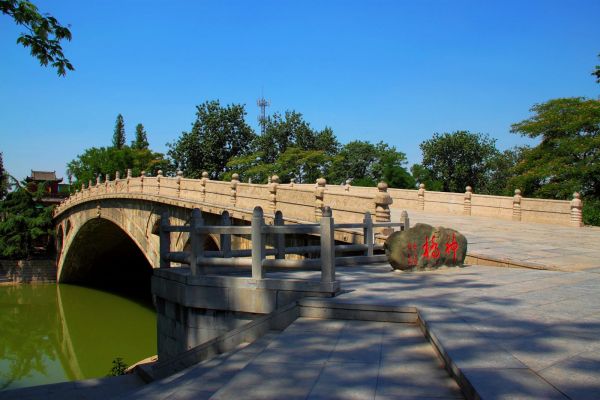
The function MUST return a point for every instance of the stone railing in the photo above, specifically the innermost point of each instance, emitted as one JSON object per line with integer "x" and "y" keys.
{"x": 516, "y": 208}
{"x": 300, "y": 204}
{"x": 304, "y": 202}
{"x": 330, "y": 253}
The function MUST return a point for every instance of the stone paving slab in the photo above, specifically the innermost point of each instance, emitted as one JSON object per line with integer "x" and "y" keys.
{"x": 356, "y": 366}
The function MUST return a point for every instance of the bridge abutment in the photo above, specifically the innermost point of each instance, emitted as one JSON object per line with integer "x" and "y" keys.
{"x": 192, "y": 310}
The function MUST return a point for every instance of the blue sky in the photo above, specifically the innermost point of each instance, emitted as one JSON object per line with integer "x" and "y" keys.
{"x": 393, "y": 71}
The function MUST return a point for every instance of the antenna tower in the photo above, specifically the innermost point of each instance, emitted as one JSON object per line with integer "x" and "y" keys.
{"x": 262, "y": 103}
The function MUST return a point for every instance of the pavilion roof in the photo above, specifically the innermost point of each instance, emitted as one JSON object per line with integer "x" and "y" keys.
{"x": 43, "y": 176}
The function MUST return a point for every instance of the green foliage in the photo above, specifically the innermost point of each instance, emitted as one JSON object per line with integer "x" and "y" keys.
{"x": 119, "y": 133}
{"x": 218, "y": 135}
{"x": 367, "y": 164}
{"x": 591, "y": 211}
{"x": 456, "y": 160}
{"x": 107, "y": 160}
{"x": 289, "y": 148}
{"x": 567, "y": 158}
{"x": 291, "y": 130}
{"x": 424, "y": 176}
{"x": 44, "y": 34}
{"x": 118, "y": 367}
{"x": 23, "y": 221}
{"x": 141, "y": 138}
{"x": 501, "y": 170}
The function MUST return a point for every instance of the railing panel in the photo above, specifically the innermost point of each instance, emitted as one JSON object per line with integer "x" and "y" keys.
{"x": 491, "y": 206}
{"x": 452, "y": 203}
{"x": 546, "y": 211}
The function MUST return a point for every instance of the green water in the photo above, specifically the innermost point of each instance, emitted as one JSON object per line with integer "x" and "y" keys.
{"x": 57, "y": 333}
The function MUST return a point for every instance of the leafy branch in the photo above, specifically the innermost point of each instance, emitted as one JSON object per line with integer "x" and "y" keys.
{"x": 44, "y": 34}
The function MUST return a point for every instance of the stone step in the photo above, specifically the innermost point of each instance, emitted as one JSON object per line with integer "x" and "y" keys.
{"x": 343, "y": 359}
{"x": 202, "y": 380}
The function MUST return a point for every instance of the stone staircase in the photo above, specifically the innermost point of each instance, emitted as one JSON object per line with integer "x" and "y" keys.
{"x": 202, "y": 380}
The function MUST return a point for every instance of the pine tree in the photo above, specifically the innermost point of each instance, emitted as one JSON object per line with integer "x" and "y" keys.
{"x": 119, "y": 135}
{"x": 3, "y": 179}
{"x": 141, "y": 139}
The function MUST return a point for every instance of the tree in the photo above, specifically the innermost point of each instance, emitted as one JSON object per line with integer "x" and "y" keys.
{"x": 291, "y": 130}
{"x": 119, "y": 134}
{"x": 44, "y": 35}
{"x": 567, "y": 159}
{"x": 107, "y": 160}
{"x": 366, "y": 164}
{"x": 455, "y": 160}
{"x": 218, "y": 134}
{"x": 23, "y": 222}
{"x": 289, "y": 148}
{"x": 597, "y": 72}
{"x": 3, "y": 179}
{"x": 141, "y": 139}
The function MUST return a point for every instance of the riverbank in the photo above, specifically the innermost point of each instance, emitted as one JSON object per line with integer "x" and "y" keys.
{"x": 14, "y": 272}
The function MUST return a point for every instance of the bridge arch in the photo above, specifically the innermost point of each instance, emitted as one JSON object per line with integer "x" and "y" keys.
{"x": 132, "y": 220}
{"x": 60, "y": 238}
{"x": 102, "y": 254}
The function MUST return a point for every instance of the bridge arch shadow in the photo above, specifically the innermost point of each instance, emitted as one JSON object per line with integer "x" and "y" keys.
{"x": 104, "y": 256}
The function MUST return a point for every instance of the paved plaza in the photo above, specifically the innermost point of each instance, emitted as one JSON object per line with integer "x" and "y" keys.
{"x": 503, "y": 333}
{"x": 507, "y": 243}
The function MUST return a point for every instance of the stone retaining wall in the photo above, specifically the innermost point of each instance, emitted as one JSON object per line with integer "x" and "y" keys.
{"x": 27, "y": 271}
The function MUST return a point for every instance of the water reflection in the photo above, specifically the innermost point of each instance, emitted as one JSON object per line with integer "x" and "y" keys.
{"x": 54, "y": 333}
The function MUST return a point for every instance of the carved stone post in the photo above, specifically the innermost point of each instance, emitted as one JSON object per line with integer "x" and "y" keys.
{"x": 203, "y": 181}
{"x": 279, "y": 237}
{"x": 292, "y": 181}
{"x": 90, "y": 187}
{"x": 368, "y": 234}
{"x": 467, "y": 206}
{"x": 128, "y": 178}
{"x": 576, "y": 210}
{"x": 143, "y": 174}
{"x": 258, "y": 245}
{"x": 235, "y": 179}
{"x": 382, "y": 207}
{"x": 98, "y": 179}
{"x": 273, "y": 193}
{"x": 117, "y": 179}
{"x": 225, "y": 237}
{"x": 347, "y": 185}
{"x": 405, "y": 221}
{"x": 179, "y": 176}
{"x": 327, "y": 247}
{"x": 516, "y": 210}
{"x": 106, "y": 183}
{"x": 159, "y": 177}
{"x": 196, "y": 243}
{"x": 421, "y": 197}
{"x": 319, "y": 196}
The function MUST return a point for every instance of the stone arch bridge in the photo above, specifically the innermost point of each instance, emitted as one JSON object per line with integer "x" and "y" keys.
{"x": 112, "y": 222}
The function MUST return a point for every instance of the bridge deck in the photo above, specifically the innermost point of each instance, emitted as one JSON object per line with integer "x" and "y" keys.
{"x": 517, "y": 244}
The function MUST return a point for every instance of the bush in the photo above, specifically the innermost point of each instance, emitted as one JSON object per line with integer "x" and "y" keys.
{"x": 118, "y": 367}
{"x": 591, "y": 212}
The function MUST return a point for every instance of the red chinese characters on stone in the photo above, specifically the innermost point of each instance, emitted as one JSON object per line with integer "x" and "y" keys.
{"x": 430, "y": 249}
{"x": 412, "y": 254}
{"x": 452, "y": 247}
